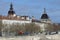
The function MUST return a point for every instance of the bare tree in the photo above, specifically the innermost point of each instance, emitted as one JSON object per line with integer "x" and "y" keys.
{"x": 0, "y": 25}
{"x": 50, "y": 27}
{"x": 17, "y": 27}
{"x": 53, "y": 27}
{"x": 32, "y": 28}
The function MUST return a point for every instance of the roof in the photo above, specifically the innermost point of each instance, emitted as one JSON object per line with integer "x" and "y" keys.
{"x": 44, "y": 16}
{"x": 12, "y": 18}
{"x": 11, "y": 11}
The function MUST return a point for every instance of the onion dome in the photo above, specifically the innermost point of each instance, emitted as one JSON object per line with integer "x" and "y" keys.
{"x": 11, "y": 12}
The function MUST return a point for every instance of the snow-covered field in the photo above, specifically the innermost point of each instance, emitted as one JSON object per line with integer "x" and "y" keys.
{"x": 35, "y": 37}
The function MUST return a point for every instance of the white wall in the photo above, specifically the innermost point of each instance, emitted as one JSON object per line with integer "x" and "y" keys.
{"x": 14, "y": 21}
{"x": 42, "y": 25}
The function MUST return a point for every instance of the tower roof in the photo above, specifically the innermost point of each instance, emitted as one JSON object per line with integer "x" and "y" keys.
{"x": 11, "y": 6}
{"x": 11, "y": 12}
{"x": 44, "y": 15}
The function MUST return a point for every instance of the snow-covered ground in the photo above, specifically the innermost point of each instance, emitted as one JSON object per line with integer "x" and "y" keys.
{"x": 35, "y": 37}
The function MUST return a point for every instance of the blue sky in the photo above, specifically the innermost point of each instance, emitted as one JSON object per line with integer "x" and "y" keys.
{"x": 32, "y": 8}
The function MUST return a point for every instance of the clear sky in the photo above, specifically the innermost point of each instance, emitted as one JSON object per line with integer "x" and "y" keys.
{"x": 32, "y": 8}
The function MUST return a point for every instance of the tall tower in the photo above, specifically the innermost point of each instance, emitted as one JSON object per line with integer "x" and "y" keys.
{"x": 11, "y": 12}
{"x": 45, "y": 17}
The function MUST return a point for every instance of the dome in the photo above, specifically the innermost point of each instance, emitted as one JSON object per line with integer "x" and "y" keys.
{"x": 44, "y": 16}
{"x": 11, "y": 12}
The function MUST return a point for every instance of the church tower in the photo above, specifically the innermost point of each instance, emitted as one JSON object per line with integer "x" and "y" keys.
{"x": 11, "y": 12}
{"x": 45, "y": 18}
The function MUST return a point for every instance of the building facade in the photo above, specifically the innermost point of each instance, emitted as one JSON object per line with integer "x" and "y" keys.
{"x": 12, "y": 18}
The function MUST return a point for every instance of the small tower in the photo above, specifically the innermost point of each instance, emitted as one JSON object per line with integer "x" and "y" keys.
{"x": 45, "y": 17}
{"x": 11, "y": 12}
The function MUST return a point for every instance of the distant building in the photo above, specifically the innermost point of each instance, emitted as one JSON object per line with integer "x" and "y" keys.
{"x": 12, "y": 18}
{"x": 44, "y": 21}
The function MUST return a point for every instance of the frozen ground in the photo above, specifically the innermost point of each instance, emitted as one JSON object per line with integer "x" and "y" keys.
{"x": 35, "y": 37}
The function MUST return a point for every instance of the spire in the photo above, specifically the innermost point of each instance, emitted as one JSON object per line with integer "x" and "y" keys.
{"x": 11, "y": 6}
{"x": 44, "y": 10}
